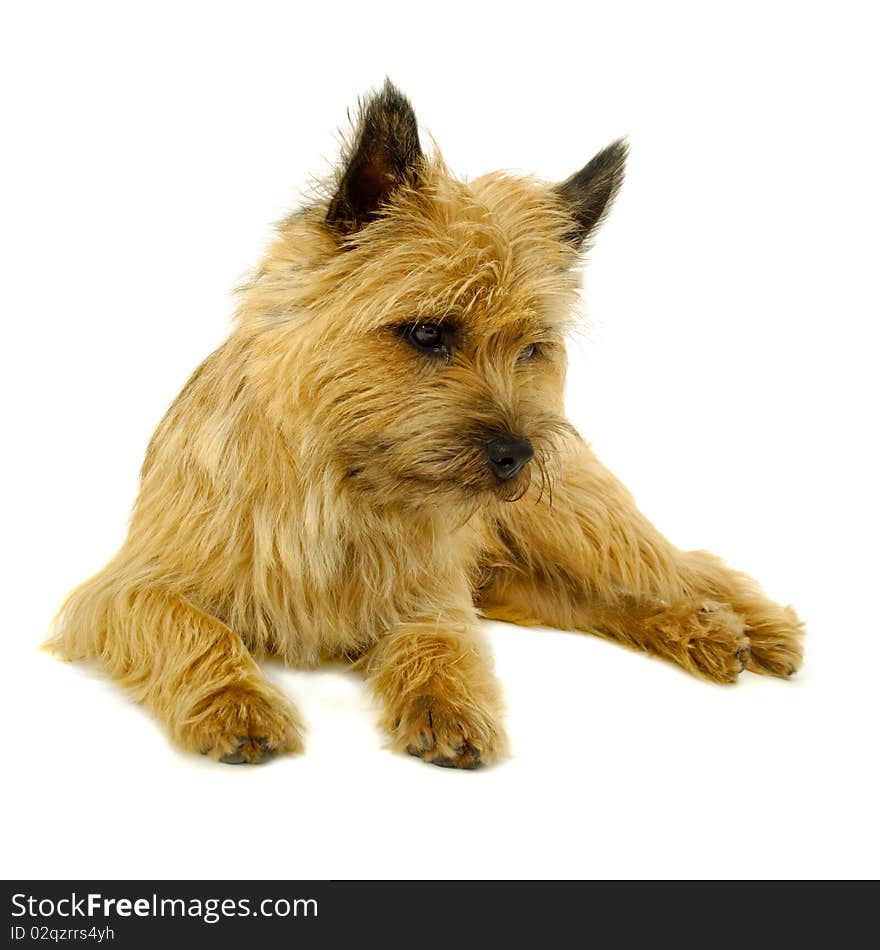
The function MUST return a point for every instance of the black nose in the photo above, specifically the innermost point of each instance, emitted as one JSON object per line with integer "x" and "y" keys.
{"x": 508, "y": 454}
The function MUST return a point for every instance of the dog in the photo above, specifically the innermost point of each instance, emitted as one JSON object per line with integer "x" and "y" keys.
{"x": 378, "y": 456}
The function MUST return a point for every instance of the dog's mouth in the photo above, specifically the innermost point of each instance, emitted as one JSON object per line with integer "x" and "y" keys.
{"x": 512, "y": 489}
{"x": 432, "y": 484}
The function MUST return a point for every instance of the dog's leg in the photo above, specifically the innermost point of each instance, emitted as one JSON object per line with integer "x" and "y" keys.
{"x": 190, "y": 669}
{"x": 441, "y": 700}
{"x": 590, "y": 560}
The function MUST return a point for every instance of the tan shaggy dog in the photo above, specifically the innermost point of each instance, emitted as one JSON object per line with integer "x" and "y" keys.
{"x": 377, "y": 456}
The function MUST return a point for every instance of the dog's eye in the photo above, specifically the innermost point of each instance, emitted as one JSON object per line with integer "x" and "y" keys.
{"x": 529, "y": 352}
{"x": 432, "y": 338}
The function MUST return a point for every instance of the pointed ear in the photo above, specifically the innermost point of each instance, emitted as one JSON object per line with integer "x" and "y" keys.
{"x": 588, "y": 194}
{"x": 384, "y": 154}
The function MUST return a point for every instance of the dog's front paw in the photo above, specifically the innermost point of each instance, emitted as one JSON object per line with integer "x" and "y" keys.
{"x": 776, "y": 634}
{"x": 449, "y": 734}
{"x": 722, "y": 650}
{"x": 706, "y": 638}
{"x": 242, "y": 725}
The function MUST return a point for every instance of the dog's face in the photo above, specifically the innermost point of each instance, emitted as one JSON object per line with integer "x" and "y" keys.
{"x": 432, "y": 364}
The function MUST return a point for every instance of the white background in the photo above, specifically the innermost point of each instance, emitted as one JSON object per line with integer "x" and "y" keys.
{"x": 727, "y": 372}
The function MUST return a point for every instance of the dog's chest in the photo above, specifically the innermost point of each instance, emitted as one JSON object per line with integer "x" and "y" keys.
{"x": 342, "y": 583}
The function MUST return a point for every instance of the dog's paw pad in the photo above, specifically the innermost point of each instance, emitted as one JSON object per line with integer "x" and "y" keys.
{"x": 776, "y": 635}
{"x": 249, "y": 751}
{"x": 233, "y": 758}
{"x": 714, "y": 637}
{"x": 466, "y": 757}
{"x": 451, "y": 738}
{"x": 243, "y": 725}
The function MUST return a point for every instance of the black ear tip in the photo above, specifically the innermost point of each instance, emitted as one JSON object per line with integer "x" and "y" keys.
{"x": 393, "y": 94}
{"x": 620, "y": 149}
{"x": 388, "y": 100}
{"x": 588, "y": 193}
{"x": 613, "y": 156}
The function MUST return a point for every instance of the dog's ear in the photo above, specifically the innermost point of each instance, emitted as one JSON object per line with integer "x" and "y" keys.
{"x": 588, "y": 194}
{"x": 384, "y": 154}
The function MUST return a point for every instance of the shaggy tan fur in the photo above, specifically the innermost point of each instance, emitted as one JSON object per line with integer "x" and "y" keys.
{"x": 321, "y": 489}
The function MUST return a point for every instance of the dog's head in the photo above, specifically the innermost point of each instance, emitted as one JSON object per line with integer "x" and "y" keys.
{"x": 419, "y": 322}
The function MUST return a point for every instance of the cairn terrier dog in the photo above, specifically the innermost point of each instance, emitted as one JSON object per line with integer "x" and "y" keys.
{"x": 378, "y": 456}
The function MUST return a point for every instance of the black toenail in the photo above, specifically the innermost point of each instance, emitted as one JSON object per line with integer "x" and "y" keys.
{"x": 443, "y": 761}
